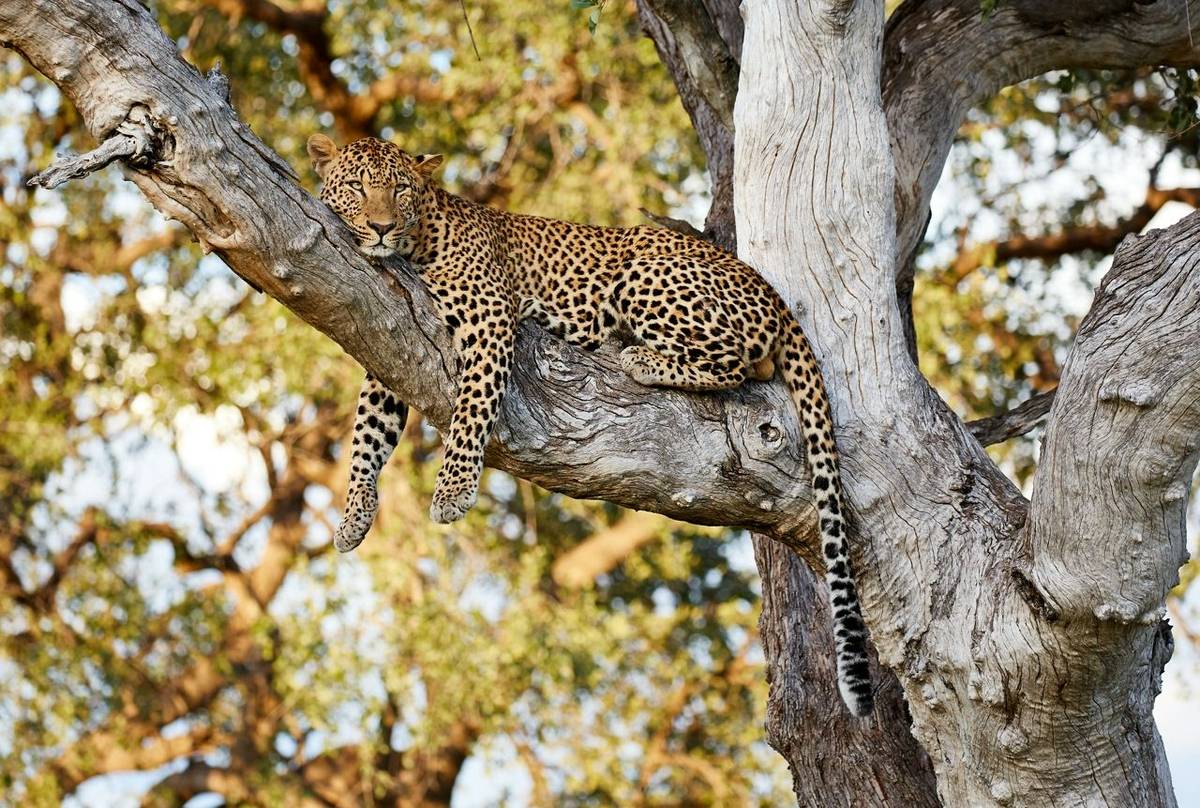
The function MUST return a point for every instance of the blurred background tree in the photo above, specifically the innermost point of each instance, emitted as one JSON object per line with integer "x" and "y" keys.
{"x": 172, "y": 444}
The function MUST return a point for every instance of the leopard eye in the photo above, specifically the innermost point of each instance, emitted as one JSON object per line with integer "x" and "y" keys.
{"x": 355, "y": 185}
{"x": 401, "y": 192}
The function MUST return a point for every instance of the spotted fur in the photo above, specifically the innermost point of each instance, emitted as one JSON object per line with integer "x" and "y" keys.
{"x": 699, "y": 318}
{"x": 377, "y": 426}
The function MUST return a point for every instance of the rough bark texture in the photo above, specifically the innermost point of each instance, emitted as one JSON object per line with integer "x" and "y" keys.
{"x": 962, "y": 604}
{"x": 875, "y": 763}
{"x": 1029, "y": 650}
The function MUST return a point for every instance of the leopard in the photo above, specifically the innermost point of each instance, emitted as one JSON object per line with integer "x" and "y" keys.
{"x": 693, "y": 315}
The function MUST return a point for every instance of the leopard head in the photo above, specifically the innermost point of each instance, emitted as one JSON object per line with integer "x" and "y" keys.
{"x": 375, "y": 187}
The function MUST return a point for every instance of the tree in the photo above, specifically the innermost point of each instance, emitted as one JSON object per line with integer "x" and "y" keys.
{"x": 1003, "y": 630}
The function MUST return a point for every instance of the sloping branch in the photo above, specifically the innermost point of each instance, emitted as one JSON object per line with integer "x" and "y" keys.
{"x": 198, "y": 778}
{"x": 572, "y": 422}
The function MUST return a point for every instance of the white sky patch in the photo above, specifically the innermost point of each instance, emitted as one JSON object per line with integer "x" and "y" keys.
{"x": 214, "y": 452}
{"x": 497, "y": 776}
{"x": 1167, "y": 215}
{"x": 1177, "y": 716}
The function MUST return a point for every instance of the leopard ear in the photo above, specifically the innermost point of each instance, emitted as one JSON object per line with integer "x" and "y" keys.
{"x": 426, "y": 164}
{"x": 322, "y": 151}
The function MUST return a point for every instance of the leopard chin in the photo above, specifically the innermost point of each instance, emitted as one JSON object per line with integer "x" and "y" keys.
{"x": 377, "y": 250}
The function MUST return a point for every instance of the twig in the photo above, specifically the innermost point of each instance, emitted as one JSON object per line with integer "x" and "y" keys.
{"x": 678, "y": 225}
{"x": 135, "y": 140}
{"x": 1017, "y": 421}
{"x": 463, "y": 5}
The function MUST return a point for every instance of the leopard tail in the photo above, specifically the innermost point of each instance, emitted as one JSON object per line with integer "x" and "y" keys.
{"x": 802, "y": 375}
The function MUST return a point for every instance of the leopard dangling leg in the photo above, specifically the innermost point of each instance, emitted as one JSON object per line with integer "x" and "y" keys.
{"x": 485, "y": 351}
{"x": 377, "y": 427}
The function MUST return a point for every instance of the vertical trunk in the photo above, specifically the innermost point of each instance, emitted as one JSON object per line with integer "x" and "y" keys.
{"x": 874, "y": 763}
{"x": 835, "y": 759}
{"x": 1028, "y": 673}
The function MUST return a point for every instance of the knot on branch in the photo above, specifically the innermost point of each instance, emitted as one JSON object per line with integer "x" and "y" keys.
{"x": 1139, "y": 393}
{"x": 218, "y": 80}
{"x": 139, "y": 140}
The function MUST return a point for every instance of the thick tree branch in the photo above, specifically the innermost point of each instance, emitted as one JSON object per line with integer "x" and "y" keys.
{"x": 1126, "y": 418}
{"x": 420, "y": 778}
{"x": 821, "y": 744}
{"x": 572, "y": 422}
{"x": 119, "y": 752}
{"x": 237, "y": 787}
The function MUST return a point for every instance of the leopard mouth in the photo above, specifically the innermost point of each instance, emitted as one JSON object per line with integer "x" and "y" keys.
{"x": 378, "y": 249}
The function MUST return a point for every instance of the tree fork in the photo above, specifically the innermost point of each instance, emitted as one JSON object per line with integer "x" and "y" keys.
{"x": 940, "y": 522}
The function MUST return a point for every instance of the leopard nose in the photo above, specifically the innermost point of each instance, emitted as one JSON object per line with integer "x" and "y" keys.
{"x": 380, "y": 228}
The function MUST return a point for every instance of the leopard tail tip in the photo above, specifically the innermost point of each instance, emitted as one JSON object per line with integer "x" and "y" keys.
{"x": 858, "y": 696}
{"x": 348, "y": 536}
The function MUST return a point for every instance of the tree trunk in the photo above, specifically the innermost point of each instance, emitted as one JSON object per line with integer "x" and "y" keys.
{"x": 1028, "y": 658}
{"x": 1028, "y": 641}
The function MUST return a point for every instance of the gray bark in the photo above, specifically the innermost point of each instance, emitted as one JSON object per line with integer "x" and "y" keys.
{"x": 1029, "y": 664}
{"x": 877, "y": 762}
{"x": 1017, "y": 700}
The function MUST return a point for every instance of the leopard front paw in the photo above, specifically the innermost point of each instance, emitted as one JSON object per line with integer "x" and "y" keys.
{"x": 361, "y": 507}
{"x": 635, "y": 361}
{"x": 450, "y": 503}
